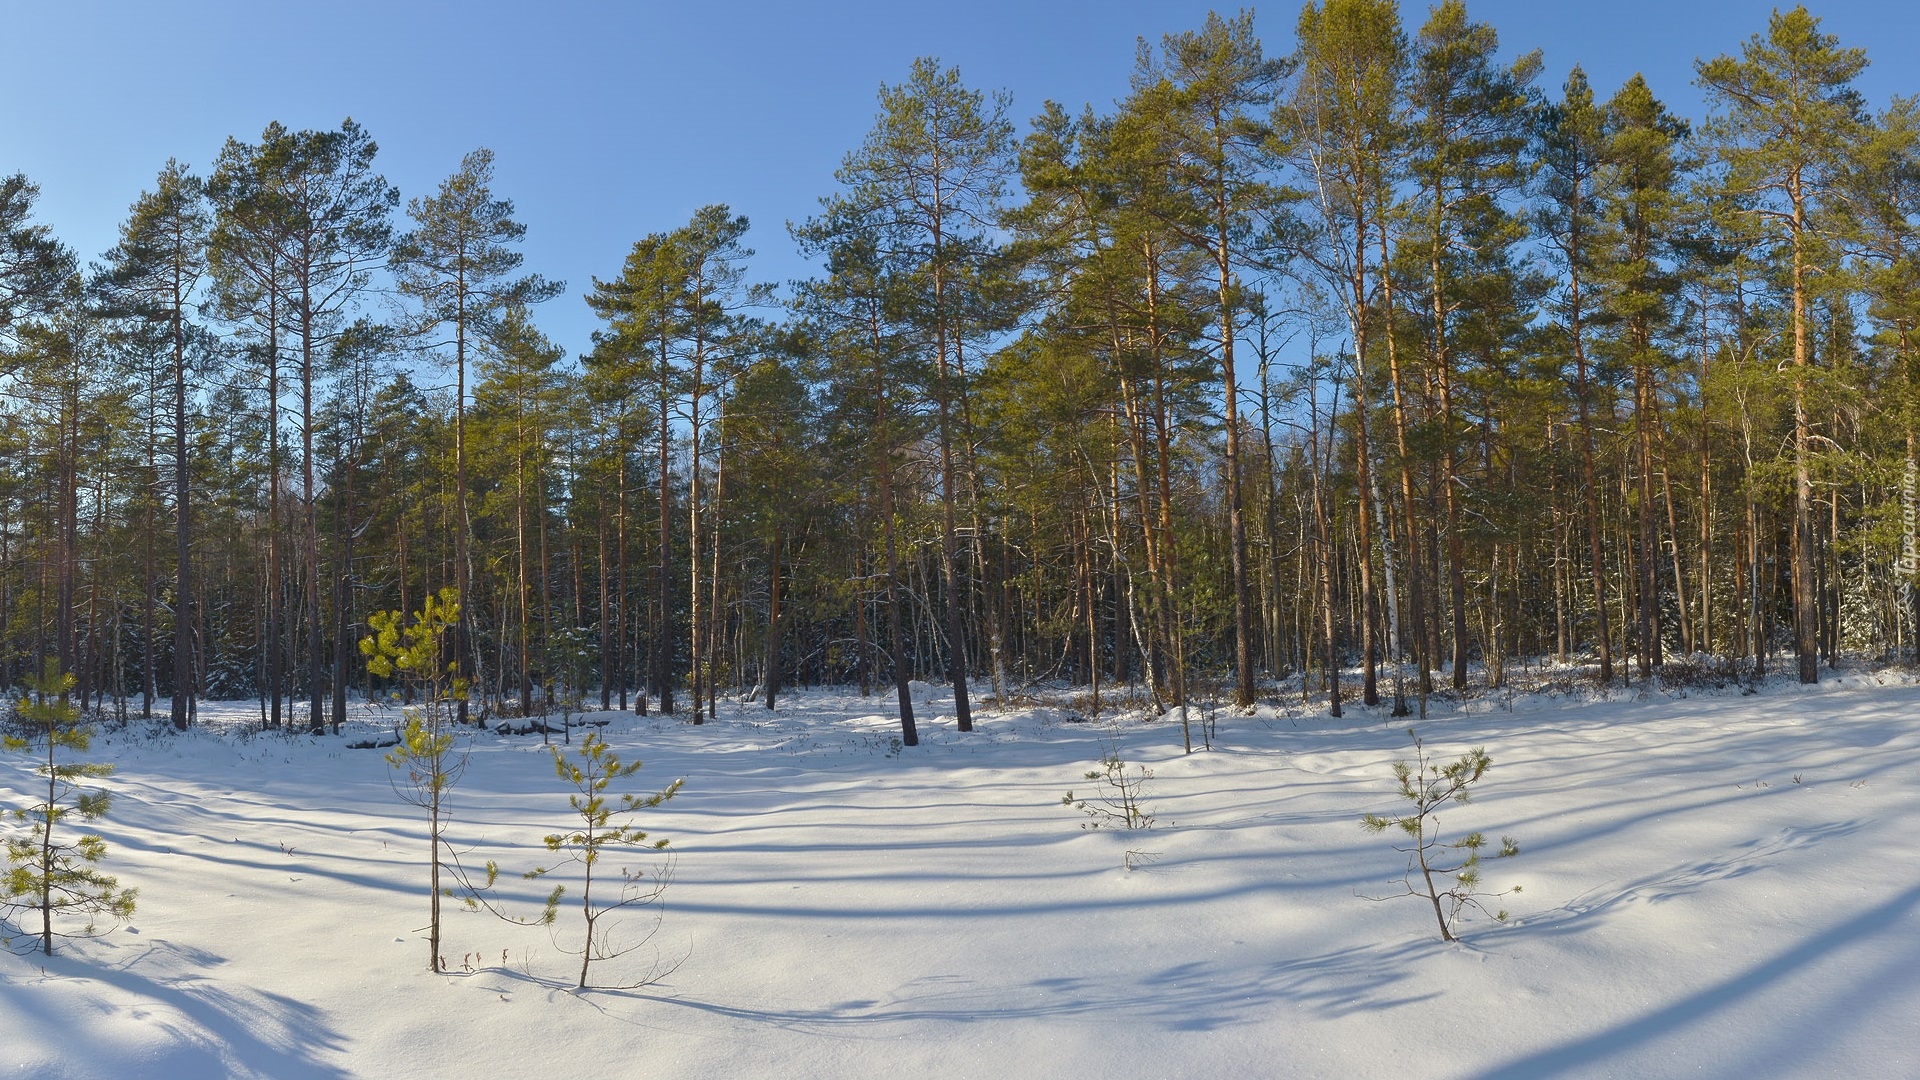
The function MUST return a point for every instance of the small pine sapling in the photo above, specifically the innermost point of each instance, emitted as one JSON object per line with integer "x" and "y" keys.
{"x": 1430, "y": 786}
{"x": 590, "y": 770}
{"x": 46, "y": 872}
{"x": 425, "y": 762}
{"x": 1120, "y": 803}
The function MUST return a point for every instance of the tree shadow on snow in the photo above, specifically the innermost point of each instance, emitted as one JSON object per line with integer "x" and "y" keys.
{"x": 1577, "y": 915}
{"x": 221, "y": 1029}
{"x": 1189, "y": 996}
{"x": 1606, "y": 1048}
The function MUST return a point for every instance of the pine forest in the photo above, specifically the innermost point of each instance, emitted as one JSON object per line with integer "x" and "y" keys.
{"x": 1368, "y": 365}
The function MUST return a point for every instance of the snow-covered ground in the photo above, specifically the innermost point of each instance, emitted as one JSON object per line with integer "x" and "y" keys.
{"x": 1717, "y": 885}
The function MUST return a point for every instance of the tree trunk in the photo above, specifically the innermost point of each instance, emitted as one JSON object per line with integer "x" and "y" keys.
{"x": 771, "y": 676}
{"x": 1806, "y": 614}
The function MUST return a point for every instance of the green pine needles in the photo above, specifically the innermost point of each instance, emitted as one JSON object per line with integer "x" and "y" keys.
{"x": 426, "y": 763}
{"x": 590, "y": 769}
{"x": 1117, "y": 801}
{"x": 46, "y": 872}
{"x": 1430, "y": 786}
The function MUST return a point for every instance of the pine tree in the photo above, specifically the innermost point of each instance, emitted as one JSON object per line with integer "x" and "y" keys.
{"x": 458, "y": 262}
{"x": 33, "y": 265}
{"x": 854, "y": 315}
{"x": 1886, "y": 206}
{"x": 1208, "y": 92}
{"x": 1788, "y": 121}
{"x": 427, "y": 760}
{"x": 1639, "y": 296}
{"x": 642, "y": 309}
{"x": 674, "y": 321}
{"x": 1469, "y": 138}
{"x": 1344, "y": 129}
{"x": 928, "y": 180}
{"x": 517, "y": 403}
{"x": 46, "y": 872}
{"x": 775, "y": 464}
{"x": 155, "y": 273}
{"x": 1430, "y": 787}
{"x": 589, "y": 772}
{"x": 250, "y": 286}
{"x": 1571, "y": 146}
{"x": 301, "y": 221}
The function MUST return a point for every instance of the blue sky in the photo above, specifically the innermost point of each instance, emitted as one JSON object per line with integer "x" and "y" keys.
{"x": 610, "y": 120}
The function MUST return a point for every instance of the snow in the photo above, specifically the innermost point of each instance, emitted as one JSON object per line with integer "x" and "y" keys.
{"x": 1715, "y": 885}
